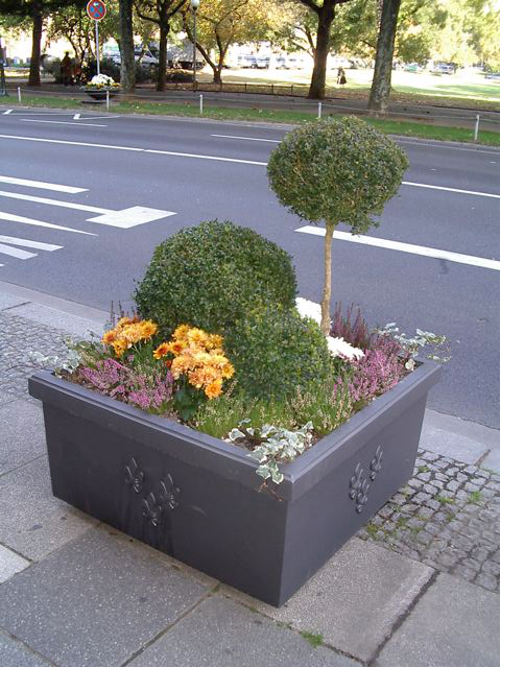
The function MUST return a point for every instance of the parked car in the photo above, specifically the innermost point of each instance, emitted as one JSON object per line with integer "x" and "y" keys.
{"x": 247, "y": 61}
{"x": 444, "y": 68}
{"x": 493, "y": 76}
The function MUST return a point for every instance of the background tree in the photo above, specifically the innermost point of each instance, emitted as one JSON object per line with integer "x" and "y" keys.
{"x": 36, "y": 11}
{"x": 338, "y": 171}
{"x": 221, "y": 23}
{"x": 160, "y": 13}
{"x": 325, "y": 15}
{"x": 127, "y": 46}
{"x": 381, "y": 83}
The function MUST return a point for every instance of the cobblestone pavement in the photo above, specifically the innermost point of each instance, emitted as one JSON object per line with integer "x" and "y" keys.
{"x": 18, "y": 337}
{"x": 447, "y": 517}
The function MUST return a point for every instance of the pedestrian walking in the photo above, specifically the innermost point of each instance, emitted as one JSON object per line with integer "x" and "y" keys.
{"x": 66, "y": 69}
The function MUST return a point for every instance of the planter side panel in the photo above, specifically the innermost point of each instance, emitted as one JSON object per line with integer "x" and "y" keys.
{"x": 223, "y": 528}
{"x": 333, "y": 510}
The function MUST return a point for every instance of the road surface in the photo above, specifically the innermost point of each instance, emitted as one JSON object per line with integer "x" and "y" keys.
{"x": 85, "y": 198}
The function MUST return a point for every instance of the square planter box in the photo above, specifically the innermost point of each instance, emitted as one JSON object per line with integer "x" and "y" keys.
{"x": 198, "y": 498}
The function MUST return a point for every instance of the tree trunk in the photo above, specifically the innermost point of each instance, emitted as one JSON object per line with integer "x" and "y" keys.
{"x": 217, "y": 75}
{"x": 326, "y": 16}
{"x": 326, "y": 294}
{"x": 381, "y": 84}
{"x": 34, "y": 77}
{"x": 126, "y": 44}
{"x": 162, "y": 66}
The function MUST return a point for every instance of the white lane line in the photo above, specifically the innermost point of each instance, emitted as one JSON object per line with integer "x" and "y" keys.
{"x": 31, "y": 244}
{"x": 15, "y": 252}
{"x": 207, "y": 157}
{"x": 405, "y": 247}
{"x": 54, "y": 203}
{"x": 95, "y": 117}
{"x": 4, "y": 216}
{"x": 40, "y": 184}
{"x": 123, "y": 218}
{"x": 8, "y": 112}
{"x": 61, "y": 122}
{"x": 451, "y": 190}
{"x": 245, "y": 138}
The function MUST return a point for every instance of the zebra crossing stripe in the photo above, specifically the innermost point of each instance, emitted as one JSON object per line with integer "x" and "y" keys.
{"x": 13, "y": 180}
{"x": 31, "y": 244}
{"x": 4, "y": 216}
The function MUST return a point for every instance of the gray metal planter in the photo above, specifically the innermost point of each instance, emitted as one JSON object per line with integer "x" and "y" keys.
{"x": 197, "y": 498}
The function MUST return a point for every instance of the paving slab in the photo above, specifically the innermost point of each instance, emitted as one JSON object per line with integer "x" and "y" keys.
{"x": 69, "y": 325}
{"x": 354, "y": 600}
{"x": 8, "y": 300}
{"x": 222, "y": 633}
{"x": 14, "y": 654}
{"x": 22, "y": 437}
{"x": 34, "y": 522}
{"x": 492, "y": 461}
{"x": 10, "y": 563}
{"x": 454, "y": 624}
{"x": 96, "y": 601}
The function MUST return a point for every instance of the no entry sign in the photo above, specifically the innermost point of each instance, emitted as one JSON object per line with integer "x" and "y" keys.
{"x": 96, "y": 10}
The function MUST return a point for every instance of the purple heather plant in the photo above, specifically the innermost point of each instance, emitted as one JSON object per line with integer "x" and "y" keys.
{"x": 376, "y": 373}
{"x": 151, "y": 391}
{"x": 354, "y": 331}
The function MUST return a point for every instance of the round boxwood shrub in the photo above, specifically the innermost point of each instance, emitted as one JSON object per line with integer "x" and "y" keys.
{"x": 275, "y": 352}
{"x": 212, "y": 275}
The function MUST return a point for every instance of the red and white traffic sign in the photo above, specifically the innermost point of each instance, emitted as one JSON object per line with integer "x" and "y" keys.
{"x": 96, "y": 10}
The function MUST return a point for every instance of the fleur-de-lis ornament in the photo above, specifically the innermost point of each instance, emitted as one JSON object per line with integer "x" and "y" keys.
{"x": 151, "y": 510}
{"x": 376, "y": 463}
{"x": 169, "y": 493}
{"x": 133, "y": 476}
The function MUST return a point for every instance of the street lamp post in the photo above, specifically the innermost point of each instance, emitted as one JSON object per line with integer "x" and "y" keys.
{"x": 194, "y": 6}
{"x": 3, "y": 88}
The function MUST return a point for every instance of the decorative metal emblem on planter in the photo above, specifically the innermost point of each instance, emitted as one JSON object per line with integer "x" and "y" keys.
{"x": 169, "y": 493}
{"x": 376, "y": 463}
{"x": 133, "y": 476}
{"x": 151, "y": 510}
{"x": 359, "y": 487}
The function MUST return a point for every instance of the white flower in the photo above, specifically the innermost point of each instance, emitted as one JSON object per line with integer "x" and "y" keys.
{"x": 309, "y": 309}
{"x": 102, "y": 80}
{"x": 338, "y": 347}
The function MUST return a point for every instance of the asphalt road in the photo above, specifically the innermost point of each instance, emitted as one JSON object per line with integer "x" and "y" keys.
{"x": 437, "y": 269}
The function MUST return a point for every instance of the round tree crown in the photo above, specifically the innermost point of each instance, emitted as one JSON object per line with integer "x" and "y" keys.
{"x": 337, "y": 171}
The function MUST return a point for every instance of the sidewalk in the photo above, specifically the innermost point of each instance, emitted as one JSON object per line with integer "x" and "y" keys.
{"x": 418, "y": 586}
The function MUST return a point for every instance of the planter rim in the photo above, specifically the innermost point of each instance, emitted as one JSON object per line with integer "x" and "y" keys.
{"x": 299, "y": 475}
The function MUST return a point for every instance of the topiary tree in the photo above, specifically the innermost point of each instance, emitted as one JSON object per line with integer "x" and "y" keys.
{"x": 275, "y": 353}
{"x": 212, "y": 275}
{"x": 339, "y": 171}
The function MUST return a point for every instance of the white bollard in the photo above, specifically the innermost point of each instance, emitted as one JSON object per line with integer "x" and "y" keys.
{"x": 201, "y": 104}
{"x": 477, "y": 125}
{"x": 319, "y": 110}
{"x": 19, "y": 94}
{"x": 107, "y": 98}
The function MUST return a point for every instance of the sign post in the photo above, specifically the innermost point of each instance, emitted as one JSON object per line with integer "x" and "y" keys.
{"x": 96, "y": 10}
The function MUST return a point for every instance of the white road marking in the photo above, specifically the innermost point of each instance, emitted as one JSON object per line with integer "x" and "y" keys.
{"x": 209, "y": 157}
{"x": 405, "y": 247}
{"x": 128, "y": 218}
{"x": 7, "y": 112}
{"x": 15, "y": 252}
{"x": 54, "y": 203}
{"x": 39, "y": 184}
{"x": 62, "y": 122}
{"x": 122, "y": 218}
{"x": 245, "y": 138}
{"x": 95, "y": 117}
{"x": 31, "y": 244}
{"x": 4, "y": 216}
{"x": 451, "y": 190}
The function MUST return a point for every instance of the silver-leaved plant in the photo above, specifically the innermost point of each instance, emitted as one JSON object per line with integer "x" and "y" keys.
{"x": 274, "y": 446}
{"x": 411, "y": 346}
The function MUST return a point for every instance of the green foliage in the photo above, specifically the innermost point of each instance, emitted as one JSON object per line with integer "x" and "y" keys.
{"x": 337, "y": 170}
{"x": 327, "y": 407}
{"x": 275, "y": 352}
{"x": 212, "y": 275}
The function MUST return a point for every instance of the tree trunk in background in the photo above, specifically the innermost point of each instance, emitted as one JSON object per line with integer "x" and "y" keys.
{"x": 34, "y": 78}
{"x": 326, "y": 16}
{"x": 381, "y": 84}
{"x": 126, "y": 44}
{"x": 163, "y": 42}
